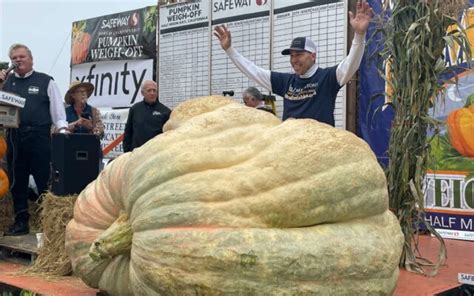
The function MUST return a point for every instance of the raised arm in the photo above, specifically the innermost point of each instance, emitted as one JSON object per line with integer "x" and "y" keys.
{"x": 359, "y": 23}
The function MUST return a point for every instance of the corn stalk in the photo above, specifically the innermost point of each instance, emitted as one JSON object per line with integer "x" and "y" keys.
{"x": 415, "y": 36}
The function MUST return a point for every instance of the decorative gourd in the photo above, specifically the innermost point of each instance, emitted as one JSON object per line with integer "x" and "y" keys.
{"x": 3, "y": 147}
{"x": 4, "y": 183}
{"x": 461, "y": 130}
{"x": 230, "y": 200}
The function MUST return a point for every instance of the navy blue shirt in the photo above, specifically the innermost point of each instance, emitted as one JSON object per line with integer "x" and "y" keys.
{"x": 313, "y": 97}
{"x": 72, "y": 116}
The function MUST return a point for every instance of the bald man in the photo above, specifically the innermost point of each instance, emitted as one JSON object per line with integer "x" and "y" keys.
{"x": 146, "y": 118}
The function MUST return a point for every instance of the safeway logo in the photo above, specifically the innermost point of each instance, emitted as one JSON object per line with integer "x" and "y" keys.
{"x": 261, "y": 2}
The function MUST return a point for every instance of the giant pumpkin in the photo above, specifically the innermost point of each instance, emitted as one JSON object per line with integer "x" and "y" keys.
{"x": 230, "y": 200}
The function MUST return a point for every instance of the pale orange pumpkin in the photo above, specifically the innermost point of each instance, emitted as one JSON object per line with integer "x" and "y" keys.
{"x": 231, "y": 201}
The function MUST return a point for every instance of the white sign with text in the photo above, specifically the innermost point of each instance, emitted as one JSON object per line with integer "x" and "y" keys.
{"x": 117, "y": 83}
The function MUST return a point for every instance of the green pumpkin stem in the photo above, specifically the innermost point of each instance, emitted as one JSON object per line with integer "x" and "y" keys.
{"x": 469, "y": 101}
{"x": 117, "y": 239}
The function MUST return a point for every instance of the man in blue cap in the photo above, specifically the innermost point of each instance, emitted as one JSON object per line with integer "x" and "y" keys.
{"x": 309, "y": 92}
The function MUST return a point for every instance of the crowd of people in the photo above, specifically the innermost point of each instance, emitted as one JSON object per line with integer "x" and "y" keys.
{"x": 309, "y": 92}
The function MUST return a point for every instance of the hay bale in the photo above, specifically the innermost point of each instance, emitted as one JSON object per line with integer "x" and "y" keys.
{"x": 6, "y": 212}
{"x": 52, "y": 259}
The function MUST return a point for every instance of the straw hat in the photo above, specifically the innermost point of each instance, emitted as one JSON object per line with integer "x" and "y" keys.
{"x": 74, "y": 85}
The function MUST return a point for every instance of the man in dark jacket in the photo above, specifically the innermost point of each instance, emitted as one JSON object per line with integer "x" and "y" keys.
{"x": 146, "y": 118}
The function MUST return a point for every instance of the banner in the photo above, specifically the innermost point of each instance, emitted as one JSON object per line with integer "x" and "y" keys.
{"x": 373, "y": 121}
{"x": 449, "y": 183}
{"x": 120, "y": 36}
{"x": 114, "y": 127}
{"x": 117, "y": 83}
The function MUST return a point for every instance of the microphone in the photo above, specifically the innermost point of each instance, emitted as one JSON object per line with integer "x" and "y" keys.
{"x": 9, "y": 69}
{"x": 229, "y": 93}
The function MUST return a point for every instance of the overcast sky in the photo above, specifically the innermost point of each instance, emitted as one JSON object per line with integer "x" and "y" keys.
{"x": 45, "y": 27}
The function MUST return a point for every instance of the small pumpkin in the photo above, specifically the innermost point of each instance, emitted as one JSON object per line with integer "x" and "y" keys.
{"x": 230, "y": 200}
{"x": 3, "y": 147}
{"x": 461, "y": 130}
{"x": 4, "y": 183}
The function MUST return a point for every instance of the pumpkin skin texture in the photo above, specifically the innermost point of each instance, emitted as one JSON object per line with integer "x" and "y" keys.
{"x": 230, "y": 200}
{"x": 461, "y": 130}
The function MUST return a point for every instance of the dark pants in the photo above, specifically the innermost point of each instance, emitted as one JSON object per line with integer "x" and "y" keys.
{"x": 29, "y": 152}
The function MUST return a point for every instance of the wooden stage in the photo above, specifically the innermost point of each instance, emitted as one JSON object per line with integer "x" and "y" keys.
{"x": 460, "y": 259}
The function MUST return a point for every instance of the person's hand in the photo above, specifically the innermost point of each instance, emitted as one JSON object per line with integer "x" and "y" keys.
{"x": 72, "y": 126}
{"x": 223, "y": 34}
{"x": 3, "y": 75}
{"x": 87, "y": 123}
{"x": 360, "y": 21}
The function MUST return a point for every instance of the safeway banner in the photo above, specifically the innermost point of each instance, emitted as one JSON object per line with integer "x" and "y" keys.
{"x": 120, "y": 36}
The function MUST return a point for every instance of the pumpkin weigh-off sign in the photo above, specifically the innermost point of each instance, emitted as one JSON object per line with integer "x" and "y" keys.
{"x": 216, "y": 206}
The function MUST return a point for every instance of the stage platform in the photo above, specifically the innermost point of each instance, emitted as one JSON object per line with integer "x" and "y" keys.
{"x": 460, "y": 259}
{"x": 51, "y": 286}
{"x": 19, "y": 249}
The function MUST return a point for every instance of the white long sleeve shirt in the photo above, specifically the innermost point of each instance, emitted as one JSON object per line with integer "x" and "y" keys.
{"x": 346, "y": 68}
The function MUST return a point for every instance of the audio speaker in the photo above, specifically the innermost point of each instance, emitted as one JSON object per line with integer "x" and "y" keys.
{"x": 75, "y": 162}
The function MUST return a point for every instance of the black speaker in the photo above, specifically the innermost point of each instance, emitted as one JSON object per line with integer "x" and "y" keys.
{"x": 75, "y": 162}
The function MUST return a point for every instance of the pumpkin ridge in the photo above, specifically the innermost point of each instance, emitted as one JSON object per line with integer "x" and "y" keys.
{"x": 207, "y": 258}
{"x": 147, "y": 200}
{"x": 206, "y": 164}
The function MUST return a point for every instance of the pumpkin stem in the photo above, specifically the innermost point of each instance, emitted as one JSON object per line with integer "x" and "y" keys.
{"x": 117, "y": 239}
{"x": 469, "y": 101}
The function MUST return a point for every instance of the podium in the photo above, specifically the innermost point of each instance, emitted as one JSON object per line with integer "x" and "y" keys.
{"x": 10, "y": 105}
{"x": 75, "y": 160}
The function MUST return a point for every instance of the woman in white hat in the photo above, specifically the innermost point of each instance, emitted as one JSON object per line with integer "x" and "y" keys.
{"x": 82, "y": 117}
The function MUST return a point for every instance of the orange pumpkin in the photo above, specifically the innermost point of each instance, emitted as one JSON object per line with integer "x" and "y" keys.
{"x": 4, "y": 183}
{"x": 461, "y": 130}
{"x": 3, "y": 147}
